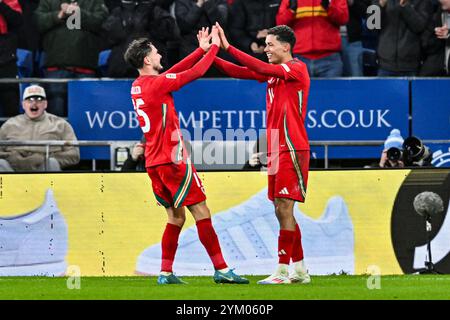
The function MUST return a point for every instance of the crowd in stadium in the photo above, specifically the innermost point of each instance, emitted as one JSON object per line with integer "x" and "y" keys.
{"x": 335, "y": 38}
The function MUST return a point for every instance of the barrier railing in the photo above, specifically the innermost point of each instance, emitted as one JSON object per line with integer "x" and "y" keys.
{"x": 85, "y": 143}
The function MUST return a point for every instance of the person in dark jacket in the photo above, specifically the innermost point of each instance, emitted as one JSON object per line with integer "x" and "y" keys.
{"x": 70, "y": 38}
{"x": 136, "y": 158}
{"x": 399, "y": 46}
{"x": 192, "y": 15}
{"x": 28, "y": 34}
{"x": 10, "y": 21}
{"x": 248, "y": 24}
{"x": 436, "y": 43}
{"x": 351, "y": 35}
{"x": 133, "y": 20}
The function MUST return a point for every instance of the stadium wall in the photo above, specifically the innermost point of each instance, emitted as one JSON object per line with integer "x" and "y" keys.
{"x": 108, "y": 224}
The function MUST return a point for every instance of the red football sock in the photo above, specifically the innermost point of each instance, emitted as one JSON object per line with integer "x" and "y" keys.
{"x": 169, "y": 246}
{"x": 285, "y": 242}
{"x": 297, "y": 248}
{"x": 208, "y": 238}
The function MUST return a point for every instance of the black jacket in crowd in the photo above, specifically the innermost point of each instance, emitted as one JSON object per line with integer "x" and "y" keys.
{"x": 399, "y": 46}
{"x": 357, "y": 12}
{"x": 129, "y": 22}
{"x": 434, "y": 48}
{"x": 9, "y": 40}
{"x": 247, "y": 17}
{"x": 28, "y": 34}
{"x": 191, "y": 18}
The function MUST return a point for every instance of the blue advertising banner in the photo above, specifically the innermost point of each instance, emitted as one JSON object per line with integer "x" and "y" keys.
{"x": 356, "y": 110}
{"x": 235, "y": 109}
{"x": 102, "y": 110}
{"x": 431, "y": 116}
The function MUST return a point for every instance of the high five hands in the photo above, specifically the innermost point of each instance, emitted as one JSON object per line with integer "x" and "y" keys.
{"x": 217, "y": 37}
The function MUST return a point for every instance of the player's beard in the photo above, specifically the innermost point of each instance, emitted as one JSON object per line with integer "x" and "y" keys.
{"x": 158, "y": 67}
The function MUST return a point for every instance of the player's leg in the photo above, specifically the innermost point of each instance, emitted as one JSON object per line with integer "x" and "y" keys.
{"x": 300, "y": 273}
{"x": 286, "y": 186}
{"x": 169, "y": 243}
{"x": 284, "y": 211}
{"x": 210, "y": 241}
{"x": 175, "y": 221}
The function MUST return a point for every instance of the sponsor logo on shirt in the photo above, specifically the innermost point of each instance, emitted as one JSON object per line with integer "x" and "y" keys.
{"x": 136, "y": 90}
{"x": 171, "y": 76}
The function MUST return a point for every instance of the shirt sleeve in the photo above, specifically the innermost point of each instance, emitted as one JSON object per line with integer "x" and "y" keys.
{"x": 235, "y": 71}
{"x": 187, "y": 62}
{"x": 168, "y": 82}
{"x": 282, "y": 71}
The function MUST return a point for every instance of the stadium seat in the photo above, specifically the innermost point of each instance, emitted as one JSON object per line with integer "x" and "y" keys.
{"x": 40, "y": 61}
{"x": 103, "y": 61}
{"x": 24, "y": 63}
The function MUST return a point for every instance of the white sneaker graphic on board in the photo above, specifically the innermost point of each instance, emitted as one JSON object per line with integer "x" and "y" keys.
{"x": 248, "y": 235}
{"x": 34, "y": 243}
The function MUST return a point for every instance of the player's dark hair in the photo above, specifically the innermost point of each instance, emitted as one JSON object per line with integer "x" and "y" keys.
{"x": 284, "y": 33}
{"x": 136, "y": 52}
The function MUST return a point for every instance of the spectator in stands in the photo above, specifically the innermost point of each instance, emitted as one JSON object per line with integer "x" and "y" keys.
{"x": 351, "y": 35}
{"x": 132, "y": 20}
{"x": 165, "y": 4}
{"x": 248, "y": 24}
{"x": 36, "y": 124}
{"x": 28, "y": 33}
{"x": 399, "y": 46}
{"x": 136, "y": 160}
{"x": 10, "y": 21}
{"x": 258, "y": 159}
{"x": 436, "y": 42}
{"x": 192, "y": 15}
{"x": 112, "y": 4}
{"x": 71, "y": 42}
{"x": 316, "y": 25}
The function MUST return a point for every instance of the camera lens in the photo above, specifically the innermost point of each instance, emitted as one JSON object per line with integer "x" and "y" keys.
{"x": 394, "y": 154}
{"x": 414, "y": 148}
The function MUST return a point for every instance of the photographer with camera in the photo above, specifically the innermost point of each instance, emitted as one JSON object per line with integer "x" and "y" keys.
{"x": 399, "y": 153}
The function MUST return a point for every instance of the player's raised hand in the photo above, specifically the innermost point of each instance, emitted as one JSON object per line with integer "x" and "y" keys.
{"x": 223, "y": 39}
{"x": 204, "y": 39}
{"x": 215, "y": 36}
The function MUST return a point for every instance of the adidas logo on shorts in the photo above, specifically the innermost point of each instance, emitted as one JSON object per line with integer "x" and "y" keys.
{"x": 284, "y": 191}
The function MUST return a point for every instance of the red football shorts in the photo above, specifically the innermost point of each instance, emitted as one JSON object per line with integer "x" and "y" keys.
{"x": 288, "y": 175}
{"x": 176, "y": 184}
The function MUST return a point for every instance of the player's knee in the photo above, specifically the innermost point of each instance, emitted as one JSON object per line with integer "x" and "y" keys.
{"x": 283, "y": 208}
{"x": 176, "y": 216}
{"x": 200, "y": 211}
{"x": 177, "y": 220}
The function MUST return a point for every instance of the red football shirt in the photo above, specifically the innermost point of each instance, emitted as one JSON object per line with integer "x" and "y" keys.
{"x": 153, "y": 102}
{"x": 286, "y": 98}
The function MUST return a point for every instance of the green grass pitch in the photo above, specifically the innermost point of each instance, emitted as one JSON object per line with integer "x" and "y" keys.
{"x": 145, "y": 288}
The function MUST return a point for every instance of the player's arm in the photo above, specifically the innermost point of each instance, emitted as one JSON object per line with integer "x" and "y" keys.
{"x": 203, "y": 42}
{"x": 235, "y": 71}
{"x": 254, "y": 64}
{"x": 187, "y": 62}
{"x": 169, "y": 82}
{"x": 267, "y": 69}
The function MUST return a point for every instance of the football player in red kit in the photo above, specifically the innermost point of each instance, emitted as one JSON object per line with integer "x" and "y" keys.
{"x": 174, "y": 179}
{"x": 288, "y": 147}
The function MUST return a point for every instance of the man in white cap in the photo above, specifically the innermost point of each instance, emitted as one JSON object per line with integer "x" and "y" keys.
{"x": 36, "y": 124}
